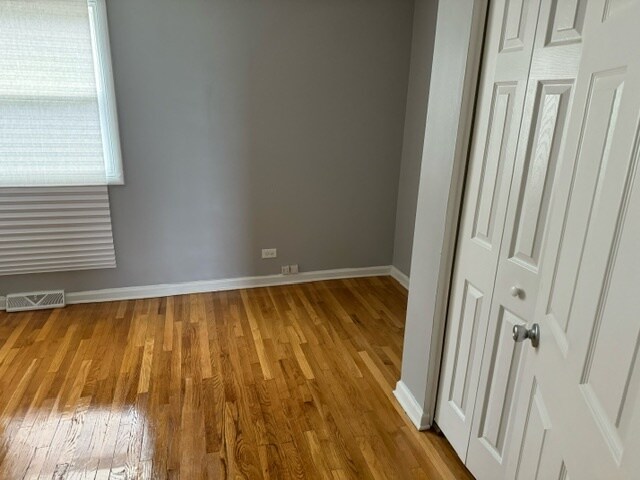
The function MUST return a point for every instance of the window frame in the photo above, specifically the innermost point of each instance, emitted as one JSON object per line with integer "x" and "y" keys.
{"x": 107, "y": 107}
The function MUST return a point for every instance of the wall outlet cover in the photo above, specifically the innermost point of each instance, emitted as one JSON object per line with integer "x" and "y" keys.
{"x": 293, "y": 268}
{"x": 285, "y": 270}
{"x": 269, "y": 252}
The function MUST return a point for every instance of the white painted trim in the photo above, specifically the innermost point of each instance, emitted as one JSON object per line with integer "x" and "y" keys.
{"x": 400, "y": 277}
{"x": 164, "y": 290}
{"x": 437, "y": 216}
{"x": 453, "y": 213}
{"x": 411, "y": 407}
{"x": 106, "y": 91}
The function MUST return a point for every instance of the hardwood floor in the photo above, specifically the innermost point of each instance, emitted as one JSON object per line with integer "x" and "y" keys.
{"x": 282, "y": 382}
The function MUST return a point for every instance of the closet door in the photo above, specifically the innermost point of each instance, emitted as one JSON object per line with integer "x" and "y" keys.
{"x": 550, "y": 87}
{"x": 578, "y": 414}
{"x": 507, "y": 57}
{"x": 566, "y": 259}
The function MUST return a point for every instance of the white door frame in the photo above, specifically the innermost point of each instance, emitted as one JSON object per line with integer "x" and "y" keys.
{"x": 460, "y": 31}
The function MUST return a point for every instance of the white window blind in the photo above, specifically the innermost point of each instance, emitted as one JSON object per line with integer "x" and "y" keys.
{"x": 58, "y": 124}
{"x": 50, "y": 229}
{"x": 59, "y": 143}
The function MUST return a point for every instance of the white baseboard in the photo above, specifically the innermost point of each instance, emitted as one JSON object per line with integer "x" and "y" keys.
{"x": 411, "y": 406}
{"x": 154, "y": 291}
{"x": 399, "y": 276}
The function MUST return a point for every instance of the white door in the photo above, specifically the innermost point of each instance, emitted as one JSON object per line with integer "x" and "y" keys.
{"x": 579, "y": 58}
{"x": 578, "y": 412}
{"x": 510, "y": 40}
{"x": 549, "y": 99}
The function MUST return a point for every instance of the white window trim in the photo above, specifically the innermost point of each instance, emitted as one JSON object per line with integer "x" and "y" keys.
{"x": 106, "y": 91}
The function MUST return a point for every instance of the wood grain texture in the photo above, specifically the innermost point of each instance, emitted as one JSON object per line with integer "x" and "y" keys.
{"x": 283, "y": 383}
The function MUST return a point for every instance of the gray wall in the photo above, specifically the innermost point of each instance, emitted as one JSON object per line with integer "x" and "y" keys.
{"x": 250, "y": 124}
{"x": 424, "y": 25}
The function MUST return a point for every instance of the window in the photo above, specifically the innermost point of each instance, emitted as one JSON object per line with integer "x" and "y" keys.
{"x": 58, "y": 122}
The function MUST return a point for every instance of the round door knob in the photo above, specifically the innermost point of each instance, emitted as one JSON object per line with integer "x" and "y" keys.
{"x": 521, "y": 333}
{"x": 517, "y": 292}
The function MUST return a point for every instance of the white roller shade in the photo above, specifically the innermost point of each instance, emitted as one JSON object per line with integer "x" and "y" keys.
{"x": 54, "y": 110}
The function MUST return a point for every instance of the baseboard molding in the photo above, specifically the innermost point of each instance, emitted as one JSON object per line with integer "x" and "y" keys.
{"x": 411, "y": 406}
{"x": 154, "y": 291}
{"x": 399, "y": 276}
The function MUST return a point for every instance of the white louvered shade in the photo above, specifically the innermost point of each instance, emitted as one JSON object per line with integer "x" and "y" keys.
{"x": 51, "y": 89}
{"x": 54, "y": 229}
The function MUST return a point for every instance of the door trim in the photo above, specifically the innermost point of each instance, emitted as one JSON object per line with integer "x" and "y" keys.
{"x": 427, "y": 314}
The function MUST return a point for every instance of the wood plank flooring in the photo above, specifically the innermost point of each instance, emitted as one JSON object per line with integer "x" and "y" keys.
{"x": 283, "y": 382}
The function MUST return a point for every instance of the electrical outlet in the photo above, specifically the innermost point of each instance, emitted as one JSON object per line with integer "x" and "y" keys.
{"x": 269, "y": 253}
{"x": 293, "y": 268}
{"x": 285, "y": 270}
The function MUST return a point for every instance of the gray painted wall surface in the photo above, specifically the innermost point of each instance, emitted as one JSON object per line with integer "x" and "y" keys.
{"x": 251, "y": 124}
{"x": 424, "y": 26}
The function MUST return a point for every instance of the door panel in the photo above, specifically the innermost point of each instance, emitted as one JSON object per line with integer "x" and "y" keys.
{"x": 536, "y": 431}
{"x": 493, "y": 163}
{"x": 566, "y": 22}
{"x": 549, "y": 96}
{"x": 613, "y": 8}
{"x": 600, "y": 119}
{"x": 468, "y": 330}
{"x": 514, "y": 26}
{"x": 605, "y": 380}
{"x": 549, "y": 234}
{"x": 550, "y": 111}
{"x": 503, "y": 86}
{"x": 504, "y": 368}
{"x": 588, "y": 304}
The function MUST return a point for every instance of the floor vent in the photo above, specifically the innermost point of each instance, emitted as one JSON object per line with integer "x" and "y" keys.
{"x": 20, "y": 302}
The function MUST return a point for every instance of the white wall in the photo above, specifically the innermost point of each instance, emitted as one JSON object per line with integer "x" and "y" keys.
{"x": 424, "y": 26}
{"x": 252, "y": 124}
{"x": 453, "y": 81}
